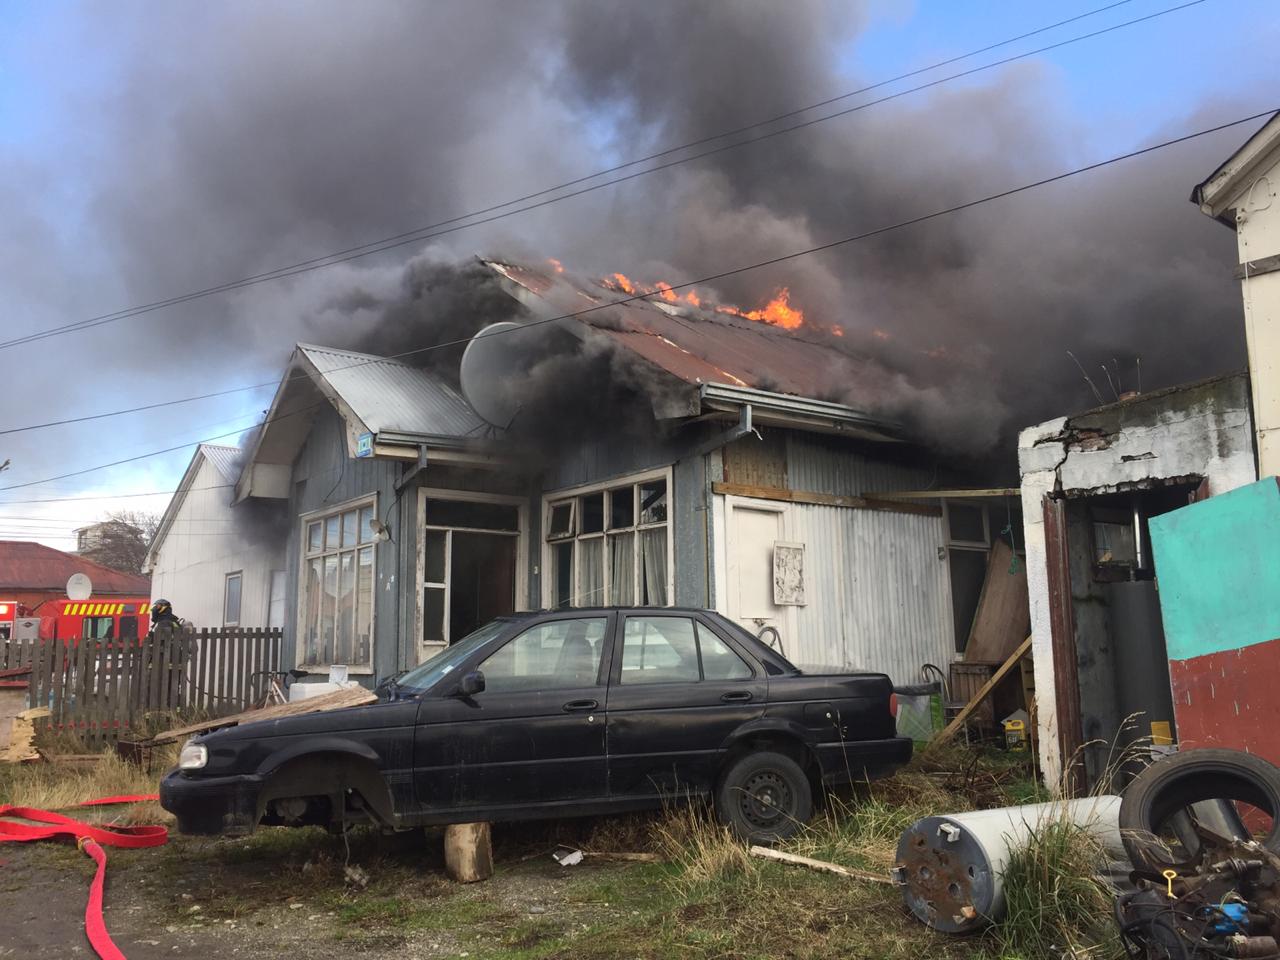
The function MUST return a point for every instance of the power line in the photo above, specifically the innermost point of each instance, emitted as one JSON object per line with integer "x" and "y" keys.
{"x": 735, "y": 271}
{"x": 110, "y": 496}
{"x": 454, "y": 224}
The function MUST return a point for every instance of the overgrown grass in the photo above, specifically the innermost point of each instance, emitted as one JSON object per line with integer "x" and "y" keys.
{"x": 55, "y": 786}
{"x": 1056, "y": 905}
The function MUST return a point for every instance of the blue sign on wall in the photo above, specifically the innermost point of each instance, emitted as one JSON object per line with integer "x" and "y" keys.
{"x": 364, "y": 445}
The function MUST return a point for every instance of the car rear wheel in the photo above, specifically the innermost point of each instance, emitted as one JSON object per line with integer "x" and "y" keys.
{"x": 764, "y": 797}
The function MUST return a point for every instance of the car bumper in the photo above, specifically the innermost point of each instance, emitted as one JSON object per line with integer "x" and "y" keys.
{"x": 862, "y": 759}
{"x": 212, "y": 805}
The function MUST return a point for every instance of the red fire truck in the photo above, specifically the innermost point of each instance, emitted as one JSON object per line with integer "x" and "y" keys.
{"x": 118, "y": 618}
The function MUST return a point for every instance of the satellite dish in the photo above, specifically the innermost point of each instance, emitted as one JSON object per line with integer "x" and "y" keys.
{"x": 79, "y": 587}
{"x": 494, "y": 367}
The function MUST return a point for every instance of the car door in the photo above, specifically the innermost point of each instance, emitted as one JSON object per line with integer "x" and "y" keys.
{"x": 677, "y": 690}
{"x": 535, "y": 734}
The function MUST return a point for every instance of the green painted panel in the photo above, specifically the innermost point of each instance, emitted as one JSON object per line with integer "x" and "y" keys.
{"x": 1218, "y": 569}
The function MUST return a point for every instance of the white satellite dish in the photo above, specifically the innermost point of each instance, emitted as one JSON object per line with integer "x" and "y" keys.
{"x": 493, "y": 368}
{"x": 79, "y": 587}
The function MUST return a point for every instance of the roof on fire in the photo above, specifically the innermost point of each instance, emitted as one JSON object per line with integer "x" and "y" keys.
{"x": 699, "y": 348}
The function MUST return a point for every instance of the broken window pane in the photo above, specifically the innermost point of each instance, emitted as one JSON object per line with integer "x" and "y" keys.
{"x": 1114, "y": 543}
{"x": 592, "y": 513}
{"x": 561, "y": 575}
{"x": 433, "y": 615}
{"x": 622, "y": 507}
{"x": 966, "y": 523}
{"x": 653, "y": 501}
{"x": 560, "y": 523}
{"x": 435, "y": 552}
{"x": 366, "y": 524}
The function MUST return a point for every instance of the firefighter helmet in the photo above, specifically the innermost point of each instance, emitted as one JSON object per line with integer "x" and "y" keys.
{"x": 160, "y": 609}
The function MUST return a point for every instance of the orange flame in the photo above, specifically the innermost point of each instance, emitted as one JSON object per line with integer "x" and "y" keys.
{"x": 556, "y": 264}
{"x": 838, "y": 331}
{"x": 881, "y": 334}
{"x": 624, "y": 283}
{"x": 777, "y": 311}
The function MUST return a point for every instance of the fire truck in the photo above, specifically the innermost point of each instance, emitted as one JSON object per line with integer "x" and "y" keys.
{"x": 126, "y": 618}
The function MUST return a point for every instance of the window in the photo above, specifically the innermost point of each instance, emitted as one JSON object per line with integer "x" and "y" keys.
{"x": 667, "y": 650}
{"x": 98, "y": 628}
{"x": 551, "y": 656}
{"x": 609, "y": 546}
{"x": 231, "y": 600}
{"x": 719, "y": 662}
{"x": 129, "y": 628}
{"x": 470, "y": 564}
{"x": 336, "y": 595}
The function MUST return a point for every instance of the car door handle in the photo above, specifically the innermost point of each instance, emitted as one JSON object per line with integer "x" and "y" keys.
{"x": 573, "y": 706}
{"x": 738, "y": 696}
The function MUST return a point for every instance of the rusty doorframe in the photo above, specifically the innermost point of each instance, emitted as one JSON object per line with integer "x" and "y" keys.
{"x": 1062, "y": 632}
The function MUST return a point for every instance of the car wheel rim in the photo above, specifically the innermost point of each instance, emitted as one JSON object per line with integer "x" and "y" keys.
{"x": 766, "y": 799}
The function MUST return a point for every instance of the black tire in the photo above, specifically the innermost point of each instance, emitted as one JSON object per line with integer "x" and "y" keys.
{"x": 764, "y": 797}
{"x": 1176, "y": 782}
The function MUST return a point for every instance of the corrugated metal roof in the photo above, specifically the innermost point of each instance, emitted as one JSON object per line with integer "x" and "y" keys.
{"x": 394, "y": 397}
{"x": 226, "y": 460}
{"x": 694, "y": 345}
{"x": 33, "y": 566}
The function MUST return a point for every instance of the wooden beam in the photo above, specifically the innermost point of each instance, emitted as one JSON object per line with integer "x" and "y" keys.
{"x": 1001, "y": 672}
{"x": 795, "y": 860}
{"x": 823, "y": 499}
{"x": 956, "y": 494}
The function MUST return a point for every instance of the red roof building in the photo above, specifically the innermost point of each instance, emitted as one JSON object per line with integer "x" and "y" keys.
{"x": 31, "y": 573}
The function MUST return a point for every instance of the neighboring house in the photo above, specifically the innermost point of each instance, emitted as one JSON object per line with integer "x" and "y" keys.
{"x": 412, "y": 520}
{"x": 32, "y": 573}
{"x": 1244, "y": 194}
{"x": 1090, "y": 484}
{"x": 90, "y": 537}
{"x": 217, "y": 566}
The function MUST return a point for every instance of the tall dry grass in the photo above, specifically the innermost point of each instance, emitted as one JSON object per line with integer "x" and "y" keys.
{"x": 62, "y": 787}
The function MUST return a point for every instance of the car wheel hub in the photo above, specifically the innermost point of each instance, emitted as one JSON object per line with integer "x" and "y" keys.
{"x": 766, "y": 799}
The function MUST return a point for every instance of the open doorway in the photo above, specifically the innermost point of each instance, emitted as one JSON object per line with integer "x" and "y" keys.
{"x": 1110, "y": 662}
{"x": 470, "y": 562}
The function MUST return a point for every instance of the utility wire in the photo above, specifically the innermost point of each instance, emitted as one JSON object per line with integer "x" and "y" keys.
{"x": 110, "y": 496}
{"x": 735, "y": 271}
{"x": 454, "y": 224}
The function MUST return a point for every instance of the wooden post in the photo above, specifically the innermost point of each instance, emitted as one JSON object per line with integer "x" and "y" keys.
{"x": 468, "y": 853}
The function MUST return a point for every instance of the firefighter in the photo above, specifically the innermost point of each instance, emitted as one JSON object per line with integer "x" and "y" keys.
{"x": 162, "y": 612}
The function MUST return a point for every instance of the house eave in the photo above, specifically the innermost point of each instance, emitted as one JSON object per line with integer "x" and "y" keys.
{"x": 804, "y": 413}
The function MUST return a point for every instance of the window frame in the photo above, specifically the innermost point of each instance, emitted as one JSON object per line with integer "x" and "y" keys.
{"x": 572, "y": 495}
{"x": 305, "y": 554}
{"x": 422, "y": 649}
{"x": 237, "y": 575}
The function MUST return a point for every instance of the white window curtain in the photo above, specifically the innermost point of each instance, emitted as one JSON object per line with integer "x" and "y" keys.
{"x": 653, "y": 564}
{"x": 591, "y": 572}
{"x": 622, "y": 569}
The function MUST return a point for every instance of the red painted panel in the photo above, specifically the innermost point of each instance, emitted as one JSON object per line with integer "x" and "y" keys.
{"x": 1230, "y": 699}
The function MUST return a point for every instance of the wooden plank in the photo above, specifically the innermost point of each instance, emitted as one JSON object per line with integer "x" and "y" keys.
{"x": 349, "y": 697}
{"x": 1062, "y": 632}
{"x": 1003, "y": 617}
{"x": 21, "y": 748}
{"x": 195, "y": 694}
{"x": 795, "y": 860}
{"x": 824, "y": 499}
{"x": 954, "y": 494}
{"x": 1005, "y": 668}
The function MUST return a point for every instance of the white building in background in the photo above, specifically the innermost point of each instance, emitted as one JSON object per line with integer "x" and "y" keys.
{"x": 218, "y": 567}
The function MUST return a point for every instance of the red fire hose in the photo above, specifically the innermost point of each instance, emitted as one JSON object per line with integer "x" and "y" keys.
{"x": 90, "y": 838}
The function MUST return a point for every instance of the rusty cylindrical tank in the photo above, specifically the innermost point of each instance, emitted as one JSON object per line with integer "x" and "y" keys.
{"x": 950, "y": 866}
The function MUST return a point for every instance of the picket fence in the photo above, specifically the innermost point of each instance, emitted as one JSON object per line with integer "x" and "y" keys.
{"x": 106, "y": 690}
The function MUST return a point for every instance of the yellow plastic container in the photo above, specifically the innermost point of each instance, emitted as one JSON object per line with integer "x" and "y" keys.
{"x": 1015, "y": 735}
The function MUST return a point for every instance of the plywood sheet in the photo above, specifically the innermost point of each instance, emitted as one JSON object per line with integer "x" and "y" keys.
{"x": 1003, "y": 619}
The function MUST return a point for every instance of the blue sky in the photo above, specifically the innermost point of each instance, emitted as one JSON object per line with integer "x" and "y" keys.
{"x": 62, "y": 64}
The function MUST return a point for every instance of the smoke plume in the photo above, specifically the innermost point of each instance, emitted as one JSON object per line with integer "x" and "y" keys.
{"x": 285, "y": 131}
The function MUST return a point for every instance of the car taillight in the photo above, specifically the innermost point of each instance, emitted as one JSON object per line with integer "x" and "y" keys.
{"x": 893, "y": 704}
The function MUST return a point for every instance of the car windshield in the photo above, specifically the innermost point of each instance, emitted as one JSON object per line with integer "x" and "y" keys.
{"x": 427, "y": 673}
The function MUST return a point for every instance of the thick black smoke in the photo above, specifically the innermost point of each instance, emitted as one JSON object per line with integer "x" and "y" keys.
{"x": 240, "y": 137}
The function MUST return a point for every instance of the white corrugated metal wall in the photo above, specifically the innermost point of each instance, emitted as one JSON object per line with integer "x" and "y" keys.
{"x": 877, "y": 593}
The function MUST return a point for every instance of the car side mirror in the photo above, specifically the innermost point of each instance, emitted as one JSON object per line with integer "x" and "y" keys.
{"x": 471, "y": 684}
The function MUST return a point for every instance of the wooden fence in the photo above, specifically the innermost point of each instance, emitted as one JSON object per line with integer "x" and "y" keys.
{"x": 103, "y": 690}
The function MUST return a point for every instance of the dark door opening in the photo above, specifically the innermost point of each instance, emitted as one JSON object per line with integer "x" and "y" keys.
{"x": 482, "y": 581}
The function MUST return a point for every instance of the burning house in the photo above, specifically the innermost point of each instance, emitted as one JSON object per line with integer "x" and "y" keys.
{"x": 662, "y": 451}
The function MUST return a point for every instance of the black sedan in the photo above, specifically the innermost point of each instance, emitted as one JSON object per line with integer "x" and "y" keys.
{"x": 553, "y": 714}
